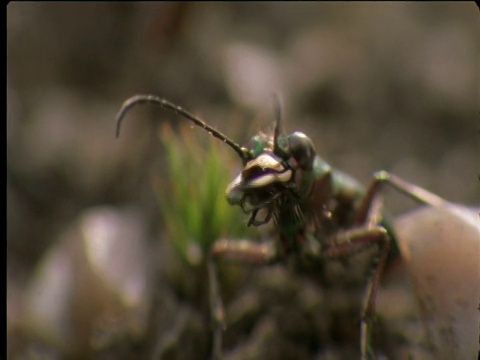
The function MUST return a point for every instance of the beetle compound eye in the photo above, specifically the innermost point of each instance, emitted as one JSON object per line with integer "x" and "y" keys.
{"x": 302, "y": 149}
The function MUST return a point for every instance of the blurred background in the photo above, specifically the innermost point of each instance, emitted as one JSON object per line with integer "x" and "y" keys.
{"x": 390, "y": 86}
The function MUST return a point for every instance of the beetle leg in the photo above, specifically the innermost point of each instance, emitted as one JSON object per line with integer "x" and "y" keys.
{"x": 216, "y": 309}
{"x": 413, "y": 191}
{"x": 370, "y": 215}
{"x": 246, "y": 251}
{"x": 243, "y": 251}
{"x": 353, "y": 241}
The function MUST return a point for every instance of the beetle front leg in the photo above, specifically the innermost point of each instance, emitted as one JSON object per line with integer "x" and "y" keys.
{"x": 243, "y": 251}
{"x": 246, "y": 251}
{"x": 216, "y": 309}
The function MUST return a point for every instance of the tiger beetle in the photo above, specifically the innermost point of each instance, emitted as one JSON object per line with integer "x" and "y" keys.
{"x": 319, "y": 213}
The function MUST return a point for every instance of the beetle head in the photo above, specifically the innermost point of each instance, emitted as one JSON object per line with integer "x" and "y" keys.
{"x": 278, "y": 174}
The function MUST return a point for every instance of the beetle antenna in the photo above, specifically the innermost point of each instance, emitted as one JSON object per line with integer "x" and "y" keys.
{"x": 152, "y": 99}
{"x": 277, "y": 110}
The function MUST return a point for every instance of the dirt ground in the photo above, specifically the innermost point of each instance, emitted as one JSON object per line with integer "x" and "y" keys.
{"x": 391, "y": 86}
